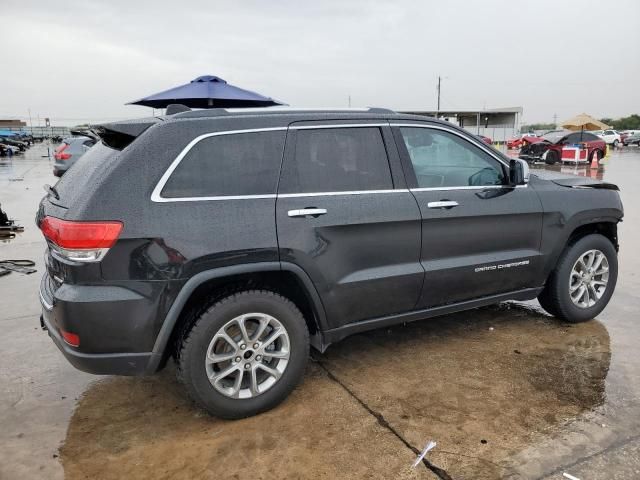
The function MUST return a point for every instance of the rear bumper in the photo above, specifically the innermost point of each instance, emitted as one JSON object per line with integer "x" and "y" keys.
{"x": 107, "y": 347}
{"x": 59, "y": 169}
{"x": 98, "y": 364}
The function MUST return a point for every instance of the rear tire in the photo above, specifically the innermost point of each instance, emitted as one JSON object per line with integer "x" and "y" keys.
{"x": 551, "y": 158}
{"x": 615, "y": 144}
{"x": 562, "y": 295}
{"x": 233, "y": 336}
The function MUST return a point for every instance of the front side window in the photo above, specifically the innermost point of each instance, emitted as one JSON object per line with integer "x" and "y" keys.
{"x": 443, "y": 159}
{"x": 228, "y": 165}
{"x": 337, "y": 160}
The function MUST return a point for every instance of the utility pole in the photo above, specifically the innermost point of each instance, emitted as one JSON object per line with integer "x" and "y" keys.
{"x": 439, "y": 79}
{"x": 30, "y": 122}
{"x": 555, "y": 120}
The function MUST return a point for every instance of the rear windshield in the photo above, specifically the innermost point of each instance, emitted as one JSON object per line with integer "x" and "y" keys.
{"x": 79, "y": 180}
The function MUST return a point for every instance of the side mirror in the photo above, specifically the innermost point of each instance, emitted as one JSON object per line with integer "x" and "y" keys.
{"x": 518, "y": 172}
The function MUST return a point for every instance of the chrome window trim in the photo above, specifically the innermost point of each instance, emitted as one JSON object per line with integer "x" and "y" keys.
{"x": 471, "y": 187}
{"x": 156, "y": 195}
{"x": 352, "y": 192}
{"x": 158, "y": 198}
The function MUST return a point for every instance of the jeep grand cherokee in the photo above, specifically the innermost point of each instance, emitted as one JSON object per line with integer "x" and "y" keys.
{"x": 233, "y": 240}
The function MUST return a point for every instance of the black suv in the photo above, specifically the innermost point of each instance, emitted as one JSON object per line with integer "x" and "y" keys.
{"x": 233, "y": 240}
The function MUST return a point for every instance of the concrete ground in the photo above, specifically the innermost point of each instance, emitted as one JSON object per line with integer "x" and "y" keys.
{"x": 506, "y": 391}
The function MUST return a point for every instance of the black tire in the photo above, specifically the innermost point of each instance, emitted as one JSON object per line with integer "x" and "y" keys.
{"x": 555, "y": 297}
{"x": 194, "y": 346}
{"x": 615, "y": 144}
{"x": 551, "y": 158}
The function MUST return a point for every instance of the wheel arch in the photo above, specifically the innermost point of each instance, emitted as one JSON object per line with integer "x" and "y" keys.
{"x": 284, "y": 278}
{"x": 608, "y": 229}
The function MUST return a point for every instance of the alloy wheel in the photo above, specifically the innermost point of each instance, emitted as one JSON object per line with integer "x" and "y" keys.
{"x": 248, "y": 355}
{"x": 589, "y": 278}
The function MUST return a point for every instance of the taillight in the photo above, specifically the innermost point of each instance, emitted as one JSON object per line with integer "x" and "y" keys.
{"x": 80, "y": 241}
{"x": 70, "y": 338}
{"x": 61, "y": 154}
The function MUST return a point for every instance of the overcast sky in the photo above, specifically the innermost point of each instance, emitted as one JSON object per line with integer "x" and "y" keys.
{"x": 78, "y": 61}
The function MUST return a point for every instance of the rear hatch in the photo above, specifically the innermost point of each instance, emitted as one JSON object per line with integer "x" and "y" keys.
{"x": 67, "y": 198}
{"x": 77, "y": 183}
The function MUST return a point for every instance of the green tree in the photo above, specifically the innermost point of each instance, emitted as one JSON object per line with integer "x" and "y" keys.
{"x": 538, "y": 126}
{"x": 632, "y": 122}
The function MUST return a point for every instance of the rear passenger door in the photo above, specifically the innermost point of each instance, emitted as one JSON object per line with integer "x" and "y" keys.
{"x": 345, "y": 216}
{"x": 480, "y": 236}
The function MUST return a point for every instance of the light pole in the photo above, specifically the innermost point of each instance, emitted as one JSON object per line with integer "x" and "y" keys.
{"x": 438, "y": 109}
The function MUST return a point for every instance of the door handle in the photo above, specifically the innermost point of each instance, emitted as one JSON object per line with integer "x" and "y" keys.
{"x": 307, "y": 212}
{"x": 443, "y": 204}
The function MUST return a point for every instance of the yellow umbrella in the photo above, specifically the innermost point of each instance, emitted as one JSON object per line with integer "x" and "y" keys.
{"x": 584, "y": 122}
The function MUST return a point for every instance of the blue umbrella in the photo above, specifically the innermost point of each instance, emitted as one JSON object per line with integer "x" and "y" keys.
{"x": 207, "y": 92}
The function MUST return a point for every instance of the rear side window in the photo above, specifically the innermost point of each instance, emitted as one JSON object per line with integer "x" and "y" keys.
{"x": 229, "y": 165}
{"x": 581, "y": 137}
{"x": 337, "y": 160}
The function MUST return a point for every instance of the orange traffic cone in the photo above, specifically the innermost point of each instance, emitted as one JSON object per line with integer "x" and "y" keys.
{"x": 595, "y": 160}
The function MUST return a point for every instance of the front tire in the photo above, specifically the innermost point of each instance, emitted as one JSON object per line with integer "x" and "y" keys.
{"x": 245, "y": 354}
{"x": 584, "y": 280}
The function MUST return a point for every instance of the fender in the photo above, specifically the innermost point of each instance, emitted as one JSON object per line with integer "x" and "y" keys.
{"x": 579, "y": 220}
{"x": 194, "y": 282}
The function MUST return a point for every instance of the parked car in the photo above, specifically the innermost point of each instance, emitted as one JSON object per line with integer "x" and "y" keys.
{"x": 633, "y": 139}
{"x": 10, "y": 141}
{"x": 233, "y": 240}
{"x": 69, "y": 151}
{"x": 611, "y": 137}
{"x": 549, "y": 148}
{"x": 5, "y": 150}
{"x": 518, "y": 142}
{"x": 486, "y": 140}
{"x": 627, "y": 133}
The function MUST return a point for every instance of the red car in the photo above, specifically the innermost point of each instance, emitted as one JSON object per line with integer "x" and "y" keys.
{"x": 548, "y": 148}
{"x": 486, "y": 140}
{"x": 520, "y": 142}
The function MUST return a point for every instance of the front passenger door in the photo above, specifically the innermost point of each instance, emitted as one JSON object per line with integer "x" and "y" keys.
{"x": 480, "y": 236}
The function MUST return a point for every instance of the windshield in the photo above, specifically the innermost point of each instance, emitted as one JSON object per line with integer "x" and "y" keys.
{"x": 553, "y": 137}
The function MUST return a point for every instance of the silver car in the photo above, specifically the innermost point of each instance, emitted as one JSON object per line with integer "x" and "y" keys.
{"x": 69, "y": 151}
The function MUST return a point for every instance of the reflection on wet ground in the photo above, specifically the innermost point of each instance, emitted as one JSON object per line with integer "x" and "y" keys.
{"x": 505, "y": 391}
{"x": 475, "y": 382}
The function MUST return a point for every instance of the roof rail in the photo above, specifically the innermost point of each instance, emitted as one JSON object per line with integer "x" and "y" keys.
{"x": 290, "y": 109}
{"x": 217, "y": 112}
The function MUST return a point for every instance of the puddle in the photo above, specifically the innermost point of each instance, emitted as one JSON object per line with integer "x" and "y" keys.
{"x": 506, "y": 392}
{"x": 452, "y": 379}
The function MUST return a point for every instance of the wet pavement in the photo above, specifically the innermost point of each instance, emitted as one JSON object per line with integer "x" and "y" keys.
{"x": 505, "y": 391}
